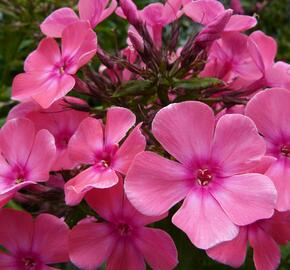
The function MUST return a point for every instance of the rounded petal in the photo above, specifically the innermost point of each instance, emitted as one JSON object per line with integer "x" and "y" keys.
{"x": 107, "y": 12}
{"x": 21, "y": 134}
{"x": 278, "y": 75}
{"x": 91, "y": 10}
{"x": 203, "y": 11}
{"x": 279, "y": 173}
{"x": 87, "y": 141}
{"x": 204, "y": 221}
{"x": 119, "y": 121}
{"x": 125, "y": 256}
{"x": 185, "y": 130}
{"x": 50, "y": 239}
{"x": 79, "y": 45}
{"x": 91, "y": 244}
{"x": 92, "y": 177}
{"x": 266, "y": 250}
{"x": 245, "y": 198}
{"x": 53, "y": 89}
{"x": 16, "y": 230}
{"x": 154, "y": 184}
{"x": 271, "y": 112}
{"x": 263, "y": 49}
{"x": 158, "y": 248}
{"x": 237, "y": 145}
{"x": 240, "y": 23}
{"x": 42, "y": 157}
{"x": 113, "y": 205}
{"x": 232, "y": 252}
{"x": 57, "y": 21}
{"x": 133, "y": 145}
{"x": 44, "y": 58}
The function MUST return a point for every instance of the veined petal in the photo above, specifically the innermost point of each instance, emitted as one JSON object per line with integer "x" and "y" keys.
{"x": 204, "y": 221}
{"x": 245, "y": 198}
{"x": 154, "y": 184}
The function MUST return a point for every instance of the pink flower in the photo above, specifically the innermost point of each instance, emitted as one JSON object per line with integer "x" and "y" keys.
{"x": 205, "y": 11}
{"x": 155, "y": 16}
{"x": 26, "y": 156}
{"x": 264, "y": 236}
{"x": 122, "y": 241}
{"x": 233, "y": 64}
{"x": 211, "y": 173}
{"x": 98, "y": 146}
{"x": 92, "y": 11}
{"x": 49, "y": 72}
{"x": 60, "y": 120}
{"x": 279, "y": 75}
{"x": 32, "y": 244}
{"x": 271, "y": 113}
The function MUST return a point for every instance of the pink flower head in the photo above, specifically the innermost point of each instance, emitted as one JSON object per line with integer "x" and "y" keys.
{"x": 264, "y": 236}
{"x": 26, "y": 156}
{"x": 92, "y": 11}
{"x": 155, "y": 16}
{"x": 60, "y": 120}
{"x": 212, "y": 173}
{"x": 98, "y": 145}
{"x": 271, "y": 112}
{"x": 49, "y": 72}
{"x": 32, "y": 244}
{"x": 122, "y": 241}
{"x": 231, "y": 63}
{"x": 205, "y": 11}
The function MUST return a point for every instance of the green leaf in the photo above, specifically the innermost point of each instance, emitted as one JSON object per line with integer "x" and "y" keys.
{"x": 135, "y": 87}
{"x": 197, "y": 84}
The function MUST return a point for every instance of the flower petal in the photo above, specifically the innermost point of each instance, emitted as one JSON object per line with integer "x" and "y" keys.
{"x": 21, "y": 134}
{"x": 16, "y": 230}
{"x": 203, "y": 11}
{"x": 154, "y": 184}
{"x": 158, "y": 248}
{"x": 279, "y": 173}
{"x": 185, "y": 130}
{"x": 91, "y": 244}
{"x": 57, "y": 21}
{"x": 79, "y": 45}
{"x": 271, "y": 112}
{"x": 125, "y": 256}
{"x": 44, "y": 58}
{"x": 240, "y": 23}
{"x": 204, "y": 221}
{"x": 266, "y": 250}
{"x": 119, "y": 121}
{"x": 245, "y": 198}
{"x": 42, "y": 157}
{"x": 237, "y": 144}
{"x": 133, "y": 145}
{"x": 232, "y": 253}
{"x": 92, "y": 177}
{"x": 87, "y": 141}
{"x": 50, "y": 239}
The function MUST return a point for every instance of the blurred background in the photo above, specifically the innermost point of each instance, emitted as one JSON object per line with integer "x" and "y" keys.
{"x": 20, "y": 34}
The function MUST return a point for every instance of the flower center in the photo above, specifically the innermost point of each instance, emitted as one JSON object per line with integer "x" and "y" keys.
{"x": 61, "y": 70}
{"x": 28, "y": 263}
{"x": 19, "y": 180}
{"x": 285, "y": 150}
{"x": 124, "y": 229}
{"x": 204, "y": 176}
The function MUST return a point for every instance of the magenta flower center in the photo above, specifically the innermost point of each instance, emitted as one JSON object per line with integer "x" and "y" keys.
{"x": 28, "y": 263}
{"x": 204, "y": 176}
{"x": 124, "y": 229}
{"x": 285, "y": 150}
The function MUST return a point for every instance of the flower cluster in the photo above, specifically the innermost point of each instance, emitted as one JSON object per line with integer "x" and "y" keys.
{"x": 213, "y": 113}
